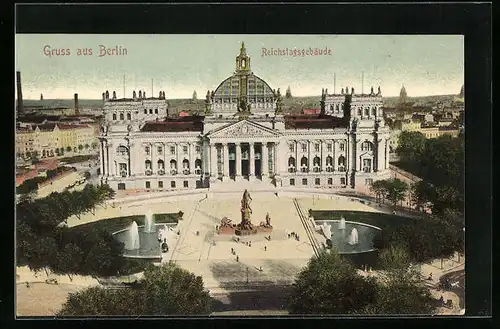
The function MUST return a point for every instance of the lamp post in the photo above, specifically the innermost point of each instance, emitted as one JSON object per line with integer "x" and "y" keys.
{"x": 247, "y": 275}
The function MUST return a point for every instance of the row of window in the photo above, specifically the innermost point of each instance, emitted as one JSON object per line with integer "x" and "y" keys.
{"x": 365, "y": 146}
{"x": 172, "y": 184}
{"x": 159, "y": 149}
{"x": 317, "y": 181}
{"x": 367, "y": 112}
{"x": 304, "y": 161}
{"x": 129, "y": 115}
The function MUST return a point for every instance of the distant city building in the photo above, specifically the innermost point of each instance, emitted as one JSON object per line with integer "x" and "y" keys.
{"x": 244, "y": 136}
{"x": 288, "y": 93}
{"x": 195, "y": 96}
{"x": 462, "y": 93}
{"x": 45, "y": 140}
{"x": 403, "y": 97}
{"x": 41, "y": 97}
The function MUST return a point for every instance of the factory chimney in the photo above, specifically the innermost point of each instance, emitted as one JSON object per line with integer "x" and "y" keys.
{"x": 20, "y": 104}
{"x": 77, "y": 113}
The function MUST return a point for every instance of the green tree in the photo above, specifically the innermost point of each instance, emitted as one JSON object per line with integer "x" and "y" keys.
{"x": 396, "y": 190}
{"x": 400, "y": 289}
{"x": 172, "y": 290}
{"x": 68, "y": 148}
{"x": 411, "y": 146}
{"x": 94, "y": 145}
{"x": 379, "y": 187}
{"x": 423, "y": 192}
{"x": 28, "y": 186}
{"x": 331, "y": 285}
{"x": 80, "y": 147}
{"x": 164, "y": 290}
{"x": 69, "y": 260}
{"x": 97, "y": 301}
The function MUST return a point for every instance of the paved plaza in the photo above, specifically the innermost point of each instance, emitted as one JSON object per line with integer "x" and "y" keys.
{"x": 259, "y": 262}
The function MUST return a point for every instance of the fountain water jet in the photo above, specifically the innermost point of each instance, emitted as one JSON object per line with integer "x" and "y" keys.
{"x": 353, "y": 238}
{"x": 132, "y": 243}
{"x": 342, "y": 223}
{"x": 149, "y": 225}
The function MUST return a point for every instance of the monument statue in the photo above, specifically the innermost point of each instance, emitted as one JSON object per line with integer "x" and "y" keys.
{"x": 268, "y": 220}
{"x": 245, "y": 224}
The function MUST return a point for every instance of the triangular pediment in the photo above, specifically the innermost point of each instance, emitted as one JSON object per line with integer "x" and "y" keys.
{"x": 244, "y": 128}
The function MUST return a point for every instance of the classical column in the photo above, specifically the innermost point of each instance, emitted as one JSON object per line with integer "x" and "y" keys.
{"x": 213, "y": 160}
{"x": 107, "y": 158}
{"x": 251, "y": 160}
{"x": 264, "y": 160}
{"x": 238, "y": 160}
{"x": 225, "y": 156}
{"x": 322, "y": 165}
{"x": 335, "y": 155}
{"x": 386, "y": 147}
{"x": 276, "y": 163}
{"x": 102, "y": 158}
{"x": 129, "y": 158}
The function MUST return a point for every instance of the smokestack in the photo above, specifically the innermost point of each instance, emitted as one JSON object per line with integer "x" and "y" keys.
{"x": 20, "y": 104}
{"x": 77, "y": 113}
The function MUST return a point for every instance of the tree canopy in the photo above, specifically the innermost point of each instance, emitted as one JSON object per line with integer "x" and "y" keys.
{"x": 164, "y": 290}
{"x": 330, "y": 285}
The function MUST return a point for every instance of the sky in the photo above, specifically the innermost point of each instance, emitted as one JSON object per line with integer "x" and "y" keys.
{"x": 180, "y": 64}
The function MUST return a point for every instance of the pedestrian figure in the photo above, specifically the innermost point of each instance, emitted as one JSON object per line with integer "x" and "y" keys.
{"x": 289, "y": 235}
{"x": 232, "y": 250}
{"x": 441, "y": 300}
{"x": 250, "y": 244}
{"x": 237, "y": 258}
{"x": 430, "y": 277}
{"x": 265, "y": 248}
{"x": 260, "y": 268}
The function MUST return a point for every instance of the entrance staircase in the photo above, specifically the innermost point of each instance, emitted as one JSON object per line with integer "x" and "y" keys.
{"x": 251, "y": 185}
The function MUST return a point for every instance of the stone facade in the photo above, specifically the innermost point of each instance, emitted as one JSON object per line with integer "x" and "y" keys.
{"x": 244, "y": 136}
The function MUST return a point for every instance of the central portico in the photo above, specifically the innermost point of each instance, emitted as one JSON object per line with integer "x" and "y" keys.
{"x": 244, "y": 150}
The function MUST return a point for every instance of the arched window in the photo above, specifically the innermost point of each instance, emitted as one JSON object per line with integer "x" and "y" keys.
{"x": 367, "y": 111}
{"x": 366, "y": 146}
{"x": 197, "y": 166}
{"x": 331, "y": 108}
{"x": 161, "y": 165}
{"x": 360, "y": 112}
{"x": 304, "y": 164}
{"x": 114, "y": 116}
{"x": 329, "y": 160}
{"x": 316, "y": 164}
{"x": 122, "y": 117}
{"x": 121, "y": 150}
{"x": 337, "y": 109}
{"x": 291, "y": 164}
{"x": 147, "y": 163}
{"x": 156, "y": 111}
{"x": 173, "y": 167}
{"x": 374, "y": 111}
{"x": 341, "y": 161}
{"x": 145, "y": 111}
{"x": 129, "y": 116}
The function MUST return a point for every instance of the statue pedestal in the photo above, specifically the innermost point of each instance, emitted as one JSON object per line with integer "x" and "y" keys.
{"x": 245, "y": 232}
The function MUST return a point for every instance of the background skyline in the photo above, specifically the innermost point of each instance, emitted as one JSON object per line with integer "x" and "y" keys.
{"x": 180, "y": 64}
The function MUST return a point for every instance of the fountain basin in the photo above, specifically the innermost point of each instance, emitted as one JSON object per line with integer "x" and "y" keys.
{"x": 149, "y": 246}
{"x": 341, "y": 239}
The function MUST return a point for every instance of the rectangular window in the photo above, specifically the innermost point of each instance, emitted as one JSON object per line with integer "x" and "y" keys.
{"x": 304, "y": 181}
{"x": 342, "y": 146}
{"x": 342, "y": 181}
{"x": 160, "y": 184}
{"x": 317, "y": 181}
{"x": 304, "y": 147}
{"x": 156, "y": 111}
{"x": 172, "y": 149}
{"x": 148, "y": 150}
{"x": 145, "y": 111}
{"x": 172, "y": 184}
{"x": 316, "y": 147}
{"x": 198, "y": 149}
{"x": 148, "y": 184}
{"x": 368, "y": 181}
{"x": 329, "y": 147}
{"x": 185, "y": 149}
{"x": 291, "y": 147}
{"x": 186, "y": 183}
{"x": 292, "y": 181}
{"x": 330, "y": 181}
{"x": 150, "y": 111}
{"x": 160, "y": 150}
